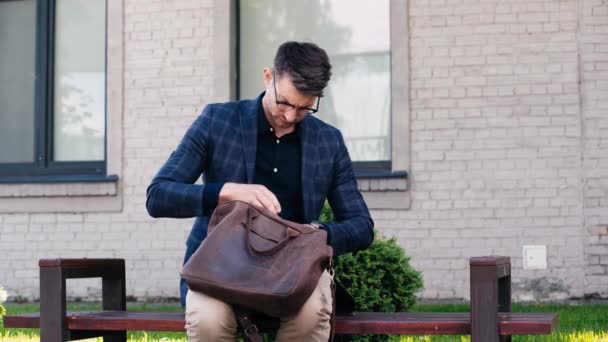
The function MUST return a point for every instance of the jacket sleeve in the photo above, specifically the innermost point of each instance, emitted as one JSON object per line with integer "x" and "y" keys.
{"x": 172, "y": 192}
{"x": 353, "y": 229}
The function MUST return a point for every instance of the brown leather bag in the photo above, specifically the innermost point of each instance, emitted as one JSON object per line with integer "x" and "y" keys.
{"x": 254, "y": 259}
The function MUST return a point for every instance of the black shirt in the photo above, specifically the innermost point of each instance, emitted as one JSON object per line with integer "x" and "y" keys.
{"x": 277, "y": 167}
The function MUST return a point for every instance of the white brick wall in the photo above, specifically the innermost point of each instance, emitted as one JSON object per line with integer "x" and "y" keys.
{"x": 168, "y": 74}
{"x": 167, "y": 79}
{"x": 594, "y": 66}
{"x": 507, "y": 148}
{"x": 496, "y": 142}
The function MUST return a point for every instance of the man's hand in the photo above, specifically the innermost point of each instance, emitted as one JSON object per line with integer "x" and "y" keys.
{"x": 254, "y": 194}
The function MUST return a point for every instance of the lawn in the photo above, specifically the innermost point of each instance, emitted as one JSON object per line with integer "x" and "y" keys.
{"x": 583, "y": 323}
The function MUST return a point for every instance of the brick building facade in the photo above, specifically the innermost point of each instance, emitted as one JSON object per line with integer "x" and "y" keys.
{"x": 505, "y": 143}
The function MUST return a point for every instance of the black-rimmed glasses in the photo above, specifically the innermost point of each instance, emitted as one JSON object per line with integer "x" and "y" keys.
{"x": 286, "y": 106}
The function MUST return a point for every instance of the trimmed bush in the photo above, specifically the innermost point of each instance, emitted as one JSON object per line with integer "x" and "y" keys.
{"x": 379, "y": 278}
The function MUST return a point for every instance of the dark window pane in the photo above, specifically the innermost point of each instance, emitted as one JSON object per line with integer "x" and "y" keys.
{"x": 17, "y": 79}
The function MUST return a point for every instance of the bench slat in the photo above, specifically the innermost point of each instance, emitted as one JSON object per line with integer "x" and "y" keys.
{"x": 29, "y": 320}
{"x": 360, "y": 323}
{"x": 82, "y": 262}
{"x": 404, "y": 323}
{"x": 527, "y": 323}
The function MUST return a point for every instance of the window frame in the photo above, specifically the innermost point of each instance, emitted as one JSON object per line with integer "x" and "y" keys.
{"x": 398, "y": 165}
{"x": 83, "y": 193}
{"x": 43, "y": 165}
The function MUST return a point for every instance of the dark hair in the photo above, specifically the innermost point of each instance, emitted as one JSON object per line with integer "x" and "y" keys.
{"x": 306, "y": 64}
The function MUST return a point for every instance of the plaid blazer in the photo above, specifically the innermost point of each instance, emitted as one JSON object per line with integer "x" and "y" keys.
{"x": 221, "y": 146}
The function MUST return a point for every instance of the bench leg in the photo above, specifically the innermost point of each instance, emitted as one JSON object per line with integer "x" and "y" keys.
{"x": 53, "y": 324}
{"x": 115, "y": 336}
{"x": 114, "y": 297}
{"x": 490, "y": 294}
{"x": 484, "y": 299}
{"x": 504, "y": 300}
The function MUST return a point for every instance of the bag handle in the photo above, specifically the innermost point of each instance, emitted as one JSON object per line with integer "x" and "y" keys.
{"x": 289, "y": 234}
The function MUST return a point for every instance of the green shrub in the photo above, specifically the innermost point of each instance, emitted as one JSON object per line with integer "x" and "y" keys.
{"x": 379, "y": 278}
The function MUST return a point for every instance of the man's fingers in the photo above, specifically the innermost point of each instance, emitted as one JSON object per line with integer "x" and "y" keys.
{"x": 272, "y": 199}
{"x": 255, "y": 202}
{"x": 266, "y": 202}
{"x": 257, "y": 195}
{"x": 277, "y": 205}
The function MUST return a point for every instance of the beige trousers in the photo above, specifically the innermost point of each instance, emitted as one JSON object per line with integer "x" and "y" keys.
{"x": 209, "y": 319}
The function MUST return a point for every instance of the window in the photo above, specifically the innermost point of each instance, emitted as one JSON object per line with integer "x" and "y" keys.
{"x": 358, "y": 36}
{"x": 53, "y": 75}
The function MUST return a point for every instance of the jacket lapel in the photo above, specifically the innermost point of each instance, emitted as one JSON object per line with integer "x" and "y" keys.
{"x": 308, "y": 138}
{"x": 249, "y": 129}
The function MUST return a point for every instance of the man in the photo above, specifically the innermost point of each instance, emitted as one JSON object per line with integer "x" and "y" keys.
{"x": 272, "y": 153}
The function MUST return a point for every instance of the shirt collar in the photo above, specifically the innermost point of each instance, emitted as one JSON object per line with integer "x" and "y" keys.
{"x": 263, "y": 125}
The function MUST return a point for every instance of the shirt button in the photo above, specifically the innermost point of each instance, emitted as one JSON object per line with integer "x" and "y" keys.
{"x": 275, "y": 170}
{"x": 278, "y": 141}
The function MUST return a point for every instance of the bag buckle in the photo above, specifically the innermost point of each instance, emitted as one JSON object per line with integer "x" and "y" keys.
{"x": 330, "y": 268}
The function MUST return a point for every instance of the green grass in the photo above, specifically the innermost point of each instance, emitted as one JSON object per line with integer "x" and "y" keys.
{"x": 584, "y": 323}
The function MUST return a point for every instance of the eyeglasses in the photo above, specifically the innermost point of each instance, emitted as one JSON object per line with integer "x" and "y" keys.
{"x": 286, "y": 106}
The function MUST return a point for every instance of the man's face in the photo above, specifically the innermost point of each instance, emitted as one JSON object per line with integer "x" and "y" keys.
{"x": 287, "y": 105}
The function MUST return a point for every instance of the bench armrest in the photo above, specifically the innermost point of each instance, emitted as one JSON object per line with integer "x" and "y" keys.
{"x": 87, "y": 268}
{"x": 53, "y": 275}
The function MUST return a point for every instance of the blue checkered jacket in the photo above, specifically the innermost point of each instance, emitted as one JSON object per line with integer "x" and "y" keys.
{"x": 221, "y": 146}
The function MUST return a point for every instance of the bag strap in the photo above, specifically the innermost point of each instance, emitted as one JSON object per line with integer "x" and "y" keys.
{"x": 332, "y": 320}
{"x": 289, "y": 234}
{"x": 252, "y": 334}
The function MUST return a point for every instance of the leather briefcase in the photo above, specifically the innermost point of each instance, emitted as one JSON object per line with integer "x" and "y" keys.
{"x": 254, "y": 259}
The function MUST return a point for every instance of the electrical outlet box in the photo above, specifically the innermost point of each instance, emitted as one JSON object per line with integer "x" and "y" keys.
{"x": 535, "y": 257}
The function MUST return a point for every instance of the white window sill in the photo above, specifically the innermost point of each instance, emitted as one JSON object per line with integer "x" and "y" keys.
{"x": 385, "y": 193}
{"x": 72, "y": 197}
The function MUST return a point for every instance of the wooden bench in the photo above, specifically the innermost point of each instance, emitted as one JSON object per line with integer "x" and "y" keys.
{"x": 490, "y": 318}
